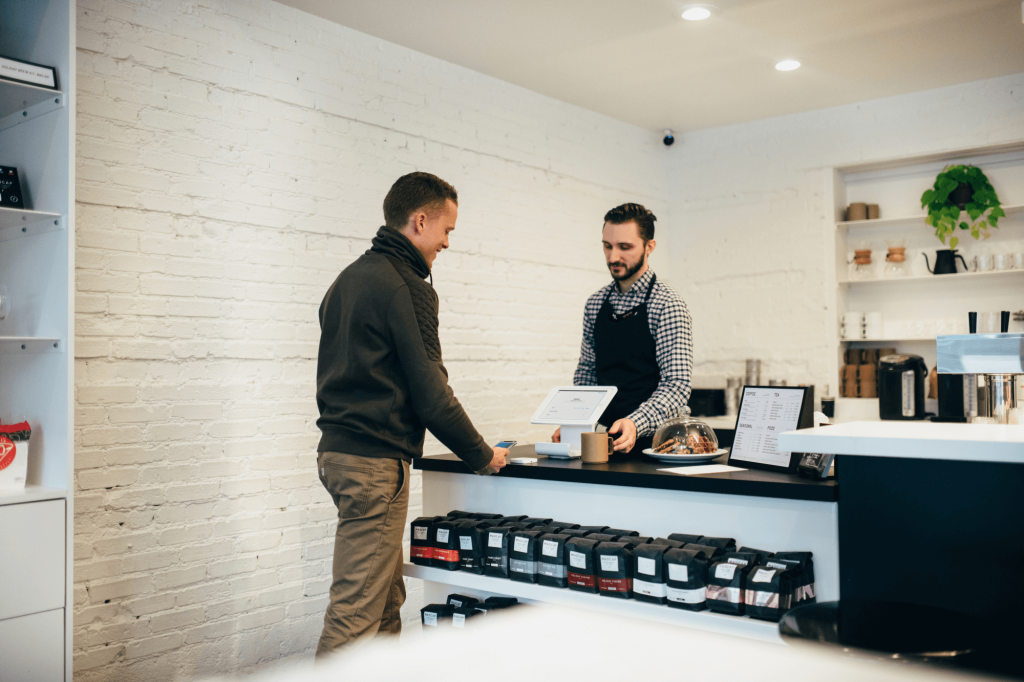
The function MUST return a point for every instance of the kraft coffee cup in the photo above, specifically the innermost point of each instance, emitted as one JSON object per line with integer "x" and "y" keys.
{"x": 595, "y": 447}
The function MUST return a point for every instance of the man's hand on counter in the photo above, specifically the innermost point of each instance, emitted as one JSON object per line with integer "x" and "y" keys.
{"x": 627, "y": 434}
{"x": 499, "y": 458}
{"x": 556, "y": 437}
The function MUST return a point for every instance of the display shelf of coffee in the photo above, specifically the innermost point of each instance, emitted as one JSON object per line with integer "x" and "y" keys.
{"x": 958, "y": 278}
{"x": 31, "y": 493}
{"x": 16, "y": 222}
{"x": 910, "y": 220}
{"x": 913, "y": 439}
{"x": 20, "y": 102}
{"x": 32, "y": 345}
{"x": 739, "y": 626}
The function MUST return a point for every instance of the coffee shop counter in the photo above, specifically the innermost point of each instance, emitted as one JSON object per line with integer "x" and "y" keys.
{"x": 767, "y": 510}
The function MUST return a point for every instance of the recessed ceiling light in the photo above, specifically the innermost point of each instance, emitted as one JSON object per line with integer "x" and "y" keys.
{"x": 696, "y": 12}
{"x": 787, "y": 65}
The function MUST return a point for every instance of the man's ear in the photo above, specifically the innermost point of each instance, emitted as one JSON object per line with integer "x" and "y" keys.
{"x": 650, "y": 247}
{"x": 419, "y": 222}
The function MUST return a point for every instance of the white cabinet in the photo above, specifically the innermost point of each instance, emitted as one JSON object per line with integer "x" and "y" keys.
{"x": 32, "y": 648}
{"x": 32, "y": 559}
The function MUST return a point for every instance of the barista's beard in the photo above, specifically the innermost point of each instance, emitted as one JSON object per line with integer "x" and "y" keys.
{"x": 629, "y": 271}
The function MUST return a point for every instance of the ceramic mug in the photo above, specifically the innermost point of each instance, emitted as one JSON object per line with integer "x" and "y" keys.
{"x": 852, "y": 326}
{"x": 1004, "y": 261}
{"x": 982, "y": 263}
{"x": 596, "y": 447}
{"x": 1018, "y": 260}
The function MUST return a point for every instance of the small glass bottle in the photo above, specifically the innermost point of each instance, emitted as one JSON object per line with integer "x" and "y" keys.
{"x": 896, "y": 259}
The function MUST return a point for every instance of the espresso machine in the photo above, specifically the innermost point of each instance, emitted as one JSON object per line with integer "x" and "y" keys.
{"x": 991, "y": 362}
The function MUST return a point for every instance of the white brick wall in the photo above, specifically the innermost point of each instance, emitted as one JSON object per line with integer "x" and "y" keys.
{"x": 232, "y": 158}
{"x": 751, "y": 213}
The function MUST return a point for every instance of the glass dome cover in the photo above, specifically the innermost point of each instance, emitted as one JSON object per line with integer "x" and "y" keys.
{"x": 685, "y": 435}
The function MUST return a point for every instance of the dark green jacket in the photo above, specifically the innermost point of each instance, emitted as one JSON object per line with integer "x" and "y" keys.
{"x": 379, "y": 377}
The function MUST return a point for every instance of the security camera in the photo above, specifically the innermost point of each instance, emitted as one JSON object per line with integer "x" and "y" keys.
{"x": 669, "y": 138}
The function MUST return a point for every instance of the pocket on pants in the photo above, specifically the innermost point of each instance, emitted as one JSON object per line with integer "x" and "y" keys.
{"x": 350, "y": 486}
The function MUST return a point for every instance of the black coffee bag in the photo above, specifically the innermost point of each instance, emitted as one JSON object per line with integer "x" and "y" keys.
{"x": 482, "y": 516}
{"x": 649, "y": 573}
{"x": 575, "y": 533}
{"x": 496, "y": 551}
{"x": 686, "y": 573}
{"x": 602, "y": 537}
{"x": 614, "y": 563}
{"x": 502, "y": 602}
{"x": 762, "y": 554}
{"x": 582, "y": 575}
{"x": 552, "y": 567}
{"x": 634, "y": 539}
{"x": 537, "y": 521}
{"x": 724, "y": 544}
{"x": 564, "y": 525}
{"x": 618, "y": 532}
{"x": 446, "y": 545}
{"x": 459, "y": 600}
{"x": 421, "y": 546}
{"x": 768, "y": 594}
{"x": 523, "y": 555}
{"x": 804, "y": 591}
{"x": 456, "y": 514}
{"x": 727, "y": 582}
{"x": 547, "y": 529}
{"x": 685, "y": 539}
{"x": 436, "y": 615}
{"x": 472, "y": 537}
{"x": 713, "y": 554}
{"x": 674, "y": 544}
{"x": 594, "y": 529}
{"x": 511, "y": 519}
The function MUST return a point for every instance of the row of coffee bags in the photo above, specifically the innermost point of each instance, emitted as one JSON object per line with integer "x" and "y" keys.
{"x": 459, "y": 608}
{"x": 684, "y": 571}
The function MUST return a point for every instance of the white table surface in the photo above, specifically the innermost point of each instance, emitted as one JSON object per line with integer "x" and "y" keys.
{"x": 916, "y": 440}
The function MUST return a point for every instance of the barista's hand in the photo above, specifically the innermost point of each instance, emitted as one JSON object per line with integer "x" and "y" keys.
{"x": 556, "y": 437}
{"x": 627, "y": 434}
{"x": 499, "y": 458}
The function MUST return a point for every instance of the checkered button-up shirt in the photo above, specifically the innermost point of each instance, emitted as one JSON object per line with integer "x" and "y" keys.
{"x": 669, "y": 321}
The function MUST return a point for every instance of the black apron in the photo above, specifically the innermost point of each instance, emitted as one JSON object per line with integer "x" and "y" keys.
{"x": 626, "y": 357}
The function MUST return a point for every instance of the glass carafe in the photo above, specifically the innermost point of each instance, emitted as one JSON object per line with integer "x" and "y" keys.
{"x": 896, "y": 259}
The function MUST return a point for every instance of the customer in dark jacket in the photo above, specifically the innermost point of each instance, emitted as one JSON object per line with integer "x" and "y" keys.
{"x": 380, "y": 384}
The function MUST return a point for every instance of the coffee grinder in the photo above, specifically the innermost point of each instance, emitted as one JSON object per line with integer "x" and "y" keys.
{"x": 996, "y": 359}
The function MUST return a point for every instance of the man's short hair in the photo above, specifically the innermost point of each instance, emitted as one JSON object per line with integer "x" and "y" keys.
{"x": 414, "y": 192}
{"x": 627, "y": 212}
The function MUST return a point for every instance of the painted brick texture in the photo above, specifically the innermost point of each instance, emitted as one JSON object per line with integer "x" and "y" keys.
{"x": 232, "y": 159}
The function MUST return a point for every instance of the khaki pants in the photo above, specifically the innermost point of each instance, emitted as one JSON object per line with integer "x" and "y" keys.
{"x": 367, "y": 593}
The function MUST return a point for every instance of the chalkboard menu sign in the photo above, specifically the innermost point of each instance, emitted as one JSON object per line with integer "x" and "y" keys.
{"x": 765, "y": 412}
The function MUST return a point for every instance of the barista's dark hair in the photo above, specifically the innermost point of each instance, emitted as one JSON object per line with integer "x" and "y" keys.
{"x": 413, "y": 192}
{"x": 627, "y": 212}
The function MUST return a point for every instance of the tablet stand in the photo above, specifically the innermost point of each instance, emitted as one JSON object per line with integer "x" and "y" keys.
{"x": 571, "y": 437}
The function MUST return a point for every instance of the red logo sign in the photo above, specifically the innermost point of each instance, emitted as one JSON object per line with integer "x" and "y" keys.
{"x": 7, "y": 451}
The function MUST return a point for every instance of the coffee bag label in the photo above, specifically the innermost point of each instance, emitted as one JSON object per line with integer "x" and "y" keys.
{"x": 456, "y": 603}
{"x": 737, "y": 561}
{"x": 649, "y": 589}
{"x": 550, "y": 548}
{"x": 551, "y": 570}
{"x": 430, "y": 619}
{"x": 419, "y": 533}
{"x": 725, "y": 571}
{"x": 494, "y": 540}
{"x": 646, "y": 566}
{"x": 522, "y": 544}
{"x": 442, "y": 535}
{"x": 686, "y": 596}
{"x": 577, "y": 560}
{"x": 679, "y": 572}
{"x": 763, "y": 575}
{"x": 459, "y": 620}
{"x": 465, "y": 542}
{"x": 609, "y": 563}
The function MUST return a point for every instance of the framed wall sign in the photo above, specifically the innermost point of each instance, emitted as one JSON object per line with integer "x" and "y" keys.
{"x": 26, "y": 72}
{"x": 765, "y": 412}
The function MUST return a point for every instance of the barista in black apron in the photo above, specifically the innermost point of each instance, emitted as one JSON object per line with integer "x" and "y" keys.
{"x": 626, "y": 357}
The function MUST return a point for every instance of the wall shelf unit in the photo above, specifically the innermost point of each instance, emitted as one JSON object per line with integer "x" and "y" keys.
{"x": 914, "y": 306}
{"x": 37, "y": 264}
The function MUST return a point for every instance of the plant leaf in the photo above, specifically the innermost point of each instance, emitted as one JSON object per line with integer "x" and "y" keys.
{"x": 975, "y": 213}
{"x": 927, "y": 197}
{"x": 996, "y": 213}
{"x": 953, "y": 242}
{"x": 964, "y": 226}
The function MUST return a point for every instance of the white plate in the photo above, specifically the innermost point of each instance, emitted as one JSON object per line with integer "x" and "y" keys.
{"x": 684, "y": 459}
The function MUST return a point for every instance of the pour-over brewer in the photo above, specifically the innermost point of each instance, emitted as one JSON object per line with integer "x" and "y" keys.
{"x": 996, "y": 360}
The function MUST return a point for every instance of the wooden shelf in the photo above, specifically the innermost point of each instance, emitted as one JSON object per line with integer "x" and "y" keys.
{"x": 20, "y": 102}
{"x": 31, "y": 493}
{"x": 911, "y": 220}
{"x": 738, "y": 626}
{"x": 31, "y": 345}
{"x": 16, "y": 223}
{"x": 959, "y": 277}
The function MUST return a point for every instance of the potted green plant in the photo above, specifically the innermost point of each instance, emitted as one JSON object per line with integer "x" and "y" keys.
{"x": 961, "y": 189}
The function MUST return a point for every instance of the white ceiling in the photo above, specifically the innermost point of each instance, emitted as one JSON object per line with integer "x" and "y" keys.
{"x": 634, "y": 60}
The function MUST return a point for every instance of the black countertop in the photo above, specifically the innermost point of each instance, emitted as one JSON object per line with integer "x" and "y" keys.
{"x": 643, "y": 473}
